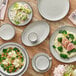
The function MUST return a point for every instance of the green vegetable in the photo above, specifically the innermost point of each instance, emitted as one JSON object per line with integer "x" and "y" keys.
{"x": 63, "y": 56}
{"x": 63, "y": 31}
{"x": 28, "y": 11}
{"x": 16, "y": 49}
{"x": 14, "y": 69}
{"x": 17, "y": 22}
{"x": 71, "y": 36}
{"x": 73, "y": 50}
{"x": 60, "y": 49}
{"x": 9, "y": 50}
{"x": 60, "y": 39}
{"x": 54, "y": 46}
{"x": 74, "y": 42}
{"x": 4, "y": 50}
{"x": 22, "y": 59}
{"x": 24, "y": 17}
{"x": 66, "y": 74}
{"x": 16, "y": 5}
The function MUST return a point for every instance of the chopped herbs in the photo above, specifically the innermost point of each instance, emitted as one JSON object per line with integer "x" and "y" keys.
{"x": 54, "y": 46}
{"x": 60, "y": 49}
{"x": 72, "y": 51}
{"x": 63, "y": 56}
{"x": 60, "y": 39}
{"x": 63, "y": 31}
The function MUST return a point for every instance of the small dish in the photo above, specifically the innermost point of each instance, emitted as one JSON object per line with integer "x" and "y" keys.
{"x": 33, "y": 37}
{"x": 7, "y": 32}
{"x": 52, "y": 42}
{"x": 25, "y": 55}
{"x": 20, "y": 13}
{"x": 40, "y": 29}
{"x": 53, "y": 10}
{"x": 41, "y": 62}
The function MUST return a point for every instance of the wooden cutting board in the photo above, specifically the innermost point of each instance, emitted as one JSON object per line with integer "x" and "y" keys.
{"x": 43, "y": 47}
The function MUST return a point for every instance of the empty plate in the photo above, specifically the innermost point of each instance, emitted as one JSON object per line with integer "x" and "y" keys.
{"x": 41, "y": 62}
{"x": 35, "y": 33}
{"x": 52, "y": 42}
{"x": 53, "y": 10}
{"x": 7, "y": 32}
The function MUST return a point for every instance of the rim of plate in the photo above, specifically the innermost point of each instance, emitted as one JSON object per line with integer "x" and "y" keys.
{"x": 37, "y": 43}
{"x": 52, "y": 19}
{"x": 23, "y": 24}
{"x": 27, "y": 59}
{"x": 61, "y": 60}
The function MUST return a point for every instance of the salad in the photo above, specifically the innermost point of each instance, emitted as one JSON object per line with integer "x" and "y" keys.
{"x": 65, "y": 70}
{"x": 11, "y": 59}
{"x": 19, "y": 13}
{"x": 65, "y": 44}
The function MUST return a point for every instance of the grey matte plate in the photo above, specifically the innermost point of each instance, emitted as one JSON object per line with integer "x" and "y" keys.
{"x": 53, "y": 10}
{"x": 53, "y": 51}
{"x": 30, "y": 16}
{"x": 41, "y": 28}
{"x": 34, "y": 62}
{"x": 26, "y": 58}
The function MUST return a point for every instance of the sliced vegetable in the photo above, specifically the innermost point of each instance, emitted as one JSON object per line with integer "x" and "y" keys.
{"x": 63, "y": 56}
{"x": 63, "y": 31}
{"x": 71, "y": 36}
{"x": 72, "y": 51}
{"x": 54, "y": 46}
{"x": 60, "y": 49}
{"x": 60, "y": 39}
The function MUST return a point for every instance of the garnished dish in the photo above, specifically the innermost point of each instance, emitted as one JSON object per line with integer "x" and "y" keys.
{"x": 65, "y": 44}
{"x": 11, "y": 59}
{"x": 65, "y": 70}
{"x": 20, "y": 13}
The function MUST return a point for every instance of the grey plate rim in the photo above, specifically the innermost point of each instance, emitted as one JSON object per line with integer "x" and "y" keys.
{"x": 41, "y": 41}
{"x": 27, "y": 64}
{"x": 33, "y": 62}
{"x": 31, "y": 13}
{"x": 51, "y": 19}
{"x": 51, "y": 50}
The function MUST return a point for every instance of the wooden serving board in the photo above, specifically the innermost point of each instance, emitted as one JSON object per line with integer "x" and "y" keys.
{"x": 43, "y": 47}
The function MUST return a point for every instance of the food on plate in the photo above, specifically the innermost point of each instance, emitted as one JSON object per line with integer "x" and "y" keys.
{"x": 65, "y": 44}
{"x": 11, "y": 59}
{"x": 65, "y": 70}
{"x": 19, "y": 13}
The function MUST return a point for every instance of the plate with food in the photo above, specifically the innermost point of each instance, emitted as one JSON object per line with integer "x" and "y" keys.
{"x": 63, "y": 44}
{"x": 14, "y": 59}
{"x": 20, "y": 13}
{"x": 65, "y": 70}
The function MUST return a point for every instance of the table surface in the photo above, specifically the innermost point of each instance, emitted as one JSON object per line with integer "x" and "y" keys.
{"x": 43, "y": 47}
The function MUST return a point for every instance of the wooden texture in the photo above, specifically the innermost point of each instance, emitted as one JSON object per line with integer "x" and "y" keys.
{"x": 43, "y": 47}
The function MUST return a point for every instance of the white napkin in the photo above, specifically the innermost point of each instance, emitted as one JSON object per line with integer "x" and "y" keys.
{"x": 72, "y": 17}
{"x": 2, "y": 12}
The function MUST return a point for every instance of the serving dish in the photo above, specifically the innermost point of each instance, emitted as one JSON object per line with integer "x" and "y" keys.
{"x": 17, "y": 48}
{"x": 20, "y": 13}
{"x": 57, "y": 53}
{"x": 38, "y": 31}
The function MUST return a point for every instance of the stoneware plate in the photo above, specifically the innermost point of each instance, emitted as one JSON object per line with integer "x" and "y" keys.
{"x": 53, "y": 10}
{"x": 7, "y": 31}
{"x": 26, "y": 59}
{"x": 39, "y": 28}
{"x": 30, "y": 15}
{"x": 53, "y": 51}
{"x": 41, "y": 62}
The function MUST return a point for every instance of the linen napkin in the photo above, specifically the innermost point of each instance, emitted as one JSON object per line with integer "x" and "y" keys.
{"x": 72, "y": 17}
{"x": 3, "y": 10}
